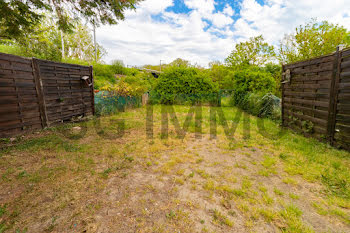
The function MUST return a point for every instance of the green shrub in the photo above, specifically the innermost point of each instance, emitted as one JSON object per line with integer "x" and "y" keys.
{"x": 118, "y": 67}
{"x": 251, "y": 80}
{"x": 184, "y": 85}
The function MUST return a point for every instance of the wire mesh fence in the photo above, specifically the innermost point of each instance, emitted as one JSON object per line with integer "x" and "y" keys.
{"x": 107, "y": 103}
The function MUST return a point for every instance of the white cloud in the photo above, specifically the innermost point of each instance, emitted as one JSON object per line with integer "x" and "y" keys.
{"x": 279, "y": 17}
{"x": 141, "y": 40}
{"x": 221, "y": 20}
{"x": 155, "y": 6}
{"x": 228, "y": 10}
{"x": 204, "y": 7}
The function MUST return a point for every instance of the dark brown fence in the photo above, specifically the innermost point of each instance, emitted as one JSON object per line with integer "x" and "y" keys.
{"x": 316, "y": 98}
{"x": 35, "y": 94}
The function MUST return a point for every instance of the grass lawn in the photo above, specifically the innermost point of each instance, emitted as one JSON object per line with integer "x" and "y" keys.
{"x": 57, "y": 181}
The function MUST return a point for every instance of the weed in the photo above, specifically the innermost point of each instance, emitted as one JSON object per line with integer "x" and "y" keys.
{"x": 179, "y": 181}
{"x": 289, "y": 180}
{"x": 267, "y": 199}
{"x": 246, "y": 183}
{"x": 106, "y": 172}
{"x": 50, "y": 142}
{"x": 2, "y": 210}
{"x": 337, "y": 182}
{"x": 170, "y": 215}
{"x": 291, "y": 217}
{"x": 294, "y": 196}
{"x": 268, "y": 214}
{"x": 221, "y": 219}
{"x": 128, "y": 158}
{"x": 203, "y": 174}
{"x": 284, "y": 156}
{"x": 22, "y": 174}
{"x": 278, "y": 192}
{"x": 209, "y": 185}
{"x": 263, "y": 189}
{"x": 242, "y": 166}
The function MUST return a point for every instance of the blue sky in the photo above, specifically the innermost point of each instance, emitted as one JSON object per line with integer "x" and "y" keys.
{"x": 207, "y": 30}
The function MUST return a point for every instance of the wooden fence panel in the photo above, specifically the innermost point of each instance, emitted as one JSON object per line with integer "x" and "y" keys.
{"x": 19, "y": 103}
{"x": 36, "y": 93}
{"x": 342, "y": 101}
{"x": 65, "y": 94}
{"x": 316, "y": 98}
{"x": 306, "y": 96}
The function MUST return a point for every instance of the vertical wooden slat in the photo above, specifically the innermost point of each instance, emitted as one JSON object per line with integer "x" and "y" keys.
{"x": 92, "y": 91}
{"x": 333, "y": 97}
{"x": 19, "y": 104}
{"x": 40, "y": 92}
{"x": 282, "y": 101}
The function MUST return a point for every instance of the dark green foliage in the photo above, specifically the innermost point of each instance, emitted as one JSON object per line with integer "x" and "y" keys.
{"x": 118, "y": 67}
{"x": 312, "y": 40}
{"x": 251, "y": 80}
{"x": 20, "y": 17}
{"x": 337, "y": 180}
{"x": 104, "y": 75}
{"x": 261, "y": 105}
{"x": 188, "y": 84}
{"x": 50, "y": 142}
{"x": 276, "y": 71}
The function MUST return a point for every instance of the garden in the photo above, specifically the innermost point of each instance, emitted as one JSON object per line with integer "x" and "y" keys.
{"x": 120, "y": 173}
{"x": 206, "y": 153}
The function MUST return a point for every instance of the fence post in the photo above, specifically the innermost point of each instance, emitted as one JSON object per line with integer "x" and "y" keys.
{"x": 282, "y": 100}
{"x": 333, "y": 97}
{"x": 92, "y": 91}
{"x": 40, "y": 92}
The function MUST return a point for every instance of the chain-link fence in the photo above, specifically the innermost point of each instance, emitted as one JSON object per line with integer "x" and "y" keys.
{"x": 106, "y": 103}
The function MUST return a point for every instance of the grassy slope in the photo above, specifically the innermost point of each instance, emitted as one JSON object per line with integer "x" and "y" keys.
{"x": 57, "y": 179}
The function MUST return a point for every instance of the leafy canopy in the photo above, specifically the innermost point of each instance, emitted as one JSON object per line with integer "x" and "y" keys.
{"x": 255, "y": 51}
{"x": 188, "y": 84}
{"x": 312, "y": 40}
{"x": 45, "y": 42}
{"x": 251, "y": 80}
{"x": 21, "y": 16}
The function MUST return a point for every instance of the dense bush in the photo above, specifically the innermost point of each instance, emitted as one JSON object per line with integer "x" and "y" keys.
{"x": 183, "y": 85}
{"x": 129, "y": 85}
{"x": 251, "y": 81}
{"x": 118, "y": 67}
{"x": 261, "y": 105}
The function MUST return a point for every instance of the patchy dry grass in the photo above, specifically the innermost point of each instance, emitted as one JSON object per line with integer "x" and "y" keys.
{"x": 106, "y": 181}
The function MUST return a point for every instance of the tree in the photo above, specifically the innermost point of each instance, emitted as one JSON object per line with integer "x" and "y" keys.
{"x": 312, "y": 40}
{"x": 118, "y": 67}
{"x": 253, "y": 52}
{"x": 45, "y": 42}
{"x": 180, "y": 63}
{"x": 80, "y": 44}
{"x": 218, "y": 72}
{"x": 21, "y": 16}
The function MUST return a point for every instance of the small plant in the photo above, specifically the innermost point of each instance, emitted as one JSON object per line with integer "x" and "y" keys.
{"x": 170, "y": 215}
{"x": 106, "y": 172}
{"x": 221, "y": 219}
{"x": 308, "y": 127}
{"x": 278, "y": 192}
{"x": 2, "y": 210}
{"x": 294, "y": 196}
{"x": 284, "y": 156}
{"x": 128, "y": 158}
